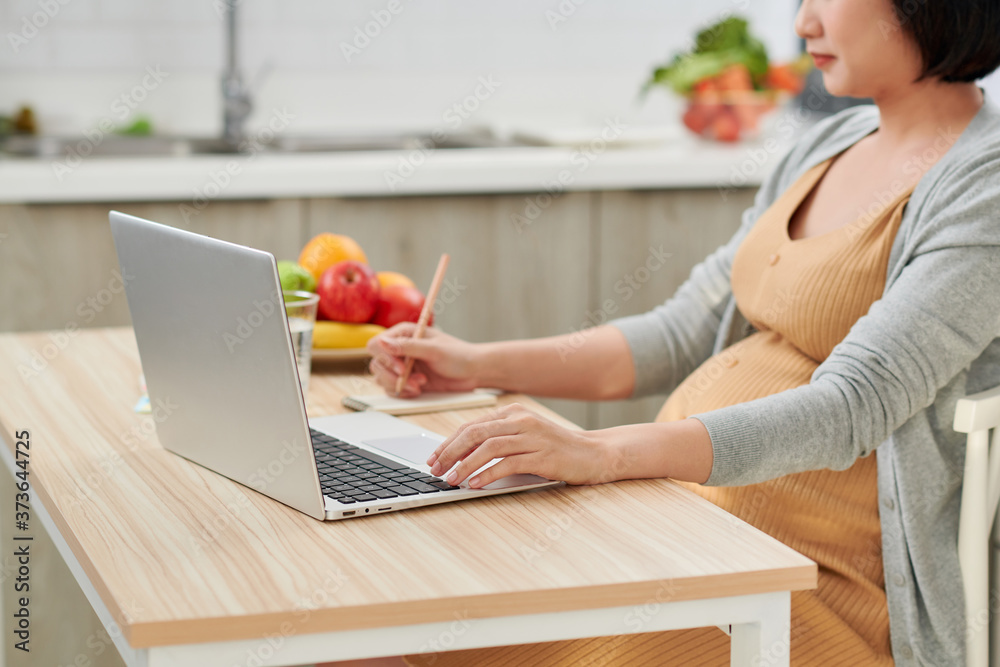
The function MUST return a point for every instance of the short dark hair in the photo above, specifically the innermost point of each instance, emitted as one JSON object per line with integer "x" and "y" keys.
{"x": 959, "y": 40}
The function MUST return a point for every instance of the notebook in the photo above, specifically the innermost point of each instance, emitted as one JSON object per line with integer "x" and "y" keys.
{"x": 429, "y": 402}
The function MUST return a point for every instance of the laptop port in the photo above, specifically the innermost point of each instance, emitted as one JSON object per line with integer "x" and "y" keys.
{"x": 384, "y": 509}
{"x": 351, "y": 513}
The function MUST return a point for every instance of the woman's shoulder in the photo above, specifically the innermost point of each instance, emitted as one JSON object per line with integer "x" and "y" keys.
{"x": 971, "y": 156}
{"x": 985, "y": 127}
{"x": 958, "y": 199}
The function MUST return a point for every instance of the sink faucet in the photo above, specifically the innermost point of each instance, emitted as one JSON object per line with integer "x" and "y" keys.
{"x": 236, "y": 101}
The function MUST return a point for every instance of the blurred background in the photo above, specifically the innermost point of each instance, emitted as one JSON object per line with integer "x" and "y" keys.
{"x": 511, "y": 134}
{"x": 573, "y": 60}
{"x": 508, "y": 134}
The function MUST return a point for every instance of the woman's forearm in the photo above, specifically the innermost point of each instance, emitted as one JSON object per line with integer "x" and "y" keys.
{"x": 594, "y": 364}
{"x": 679, "y": 450}
{"x": 527, "y": 442}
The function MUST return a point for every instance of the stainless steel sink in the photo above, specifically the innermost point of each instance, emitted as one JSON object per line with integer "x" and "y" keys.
{"x": 166, "y": 146}
{"x": 387, "y": 142}
{"x": 109, "y": 146}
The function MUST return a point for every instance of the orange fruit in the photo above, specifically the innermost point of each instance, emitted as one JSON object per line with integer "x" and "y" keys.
{"x": 325, "y": 250}
{"x": 386, "y": 278}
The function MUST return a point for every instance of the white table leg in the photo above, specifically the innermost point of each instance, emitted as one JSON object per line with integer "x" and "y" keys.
{"x": 767, "y": 642}
{"x": 132, "y": 657}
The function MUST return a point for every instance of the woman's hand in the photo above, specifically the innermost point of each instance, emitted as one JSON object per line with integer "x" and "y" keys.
{"x": 527, "y": 443}
{"x": 441, "y": 362}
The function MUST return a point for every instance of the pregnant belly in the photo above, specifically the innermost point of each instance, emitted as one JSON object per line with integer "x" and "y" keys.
{"x": 762, "y": 364}
{"x": 829, "y": 516}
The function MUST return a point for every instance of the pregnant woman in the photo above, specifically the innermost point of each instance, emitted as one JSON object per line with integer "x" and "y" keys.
{"x": 813, "y": 362}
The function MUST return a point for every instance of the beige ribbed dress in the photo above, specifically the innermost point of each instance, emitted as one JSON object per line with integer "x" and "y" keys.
{"x": 802, "y": 296}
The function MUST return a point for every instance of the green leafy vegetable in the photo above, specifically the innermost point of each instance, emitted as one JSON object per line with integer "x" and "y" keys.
{"x": 727, "y": 34}
{"x": 141, "y": 127}
{"x": 726, "y": 43}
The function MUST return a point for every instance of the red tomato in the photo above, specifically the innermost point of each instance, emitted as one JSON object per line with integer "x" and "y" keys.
{"x": 781, "y": 77}
{"x": 698, "y": 117}
{"x": 726, "y": 127}
{"x": 747, "y": 116}
{"x": 706, "y": 86}
{"x": 735, "y": 77}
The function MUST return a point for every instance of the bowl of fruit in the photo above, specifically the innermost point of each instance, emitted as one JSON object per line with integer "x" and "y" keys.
{"x": 356, "y": 302}
{"x": 728, "y": 82}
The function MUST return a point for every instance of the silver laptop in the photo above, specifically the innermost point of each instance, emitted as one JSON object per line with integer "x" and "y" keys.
{"x": 217, "y": 354}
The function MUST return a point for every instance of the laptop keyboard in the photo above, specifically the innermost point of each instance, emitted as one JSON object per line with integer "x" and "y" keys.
{"x": 349, "y": 474}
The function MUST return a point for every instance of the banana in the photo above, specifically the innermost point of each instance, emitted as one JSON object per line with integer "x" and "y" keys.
{"x": 341, "y": 335}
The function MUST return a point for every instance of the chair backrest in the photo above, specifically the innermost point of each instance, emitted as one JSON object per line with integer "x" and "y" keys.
{"x": 978, "y": 416}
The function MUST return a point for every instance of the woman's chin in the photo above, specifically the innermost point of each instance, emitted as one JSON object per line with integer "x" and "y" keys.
{"x": 839, "y": 88}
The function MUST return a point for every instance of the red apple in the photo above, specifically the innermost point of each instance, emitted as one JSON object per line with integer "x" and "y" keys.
{"x": 348, "y": 292}
{"x": 399, "y": 303}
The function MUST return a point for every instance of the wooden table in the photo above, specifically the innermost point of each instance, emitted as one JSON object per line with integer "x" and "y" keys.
{"x": 197, "y": 570}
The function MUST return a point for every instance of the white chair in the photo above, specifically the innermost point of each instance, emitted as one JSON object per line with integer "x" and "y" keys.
{"x": 995, "y": 588}
{"x": 978, "y": 415}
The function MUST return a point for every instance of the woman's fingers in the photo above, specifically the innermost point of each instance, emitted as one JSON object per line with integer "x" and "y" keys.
{"x": 494, "y": 447}
{"x": 382, "y": 367}
{"x": 441, "y": 360}
{"x": 390, "y": 342}
{"x": 468, "y": 439}
{"x": 492, "y": 415}
{"x": 384, "y": 343}
{"x": 525, "y": 442}
{"x": 400, "y": 329}
{"x": 389, "y": 349}
{"x": 385, "y": 370}
{"x": 471, "y": 435}
{"x": 504, "y": 468}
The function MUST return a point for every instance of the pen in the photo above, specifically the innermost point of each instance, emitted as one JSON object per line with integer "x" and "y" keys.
{"x": 425, "y": 315}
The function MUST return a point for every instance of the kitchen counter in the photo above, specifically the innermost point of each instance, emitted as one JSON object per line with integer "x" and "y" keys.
{"x": 684, "y": 162}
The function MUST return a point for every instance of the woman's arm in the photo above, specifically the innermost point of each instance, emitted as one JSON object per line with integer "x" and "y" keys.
{"x": 939, "y": 313}
{"x": 629, "y": 357}
{"x": 594, "y": 364}
{"x": 530, "y": 443}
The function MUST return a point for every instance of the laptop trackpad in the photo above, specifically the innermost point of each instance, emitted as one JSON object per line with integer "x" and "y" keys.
{"x": 413, "y": 448}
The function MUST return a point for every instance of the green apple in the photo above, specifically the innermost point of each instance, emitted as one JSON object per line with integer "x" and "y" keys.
{"x": 294, "y": 277}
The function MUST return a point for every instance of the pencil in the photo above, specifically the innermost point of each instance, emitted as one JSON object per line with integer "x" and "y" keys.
{"x": 425, "y": 314}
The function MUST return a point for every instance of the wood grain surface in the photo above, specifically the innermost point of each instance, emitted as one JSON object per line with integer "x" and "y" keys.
{"x": 182, "y": 555}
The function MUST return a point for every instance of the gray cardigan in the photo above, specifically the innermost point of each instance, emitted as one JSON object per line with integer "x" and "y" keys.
{"x": 890, "y": 385}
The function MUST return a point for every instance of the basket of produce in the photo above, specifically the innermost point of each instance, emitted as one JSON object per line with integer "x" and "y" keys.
{"x": 728, "y": 81}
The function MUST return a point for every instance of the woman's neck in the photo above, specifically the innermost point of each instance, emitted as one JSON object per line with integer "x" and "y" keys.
{"x": 923, "y": 111}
